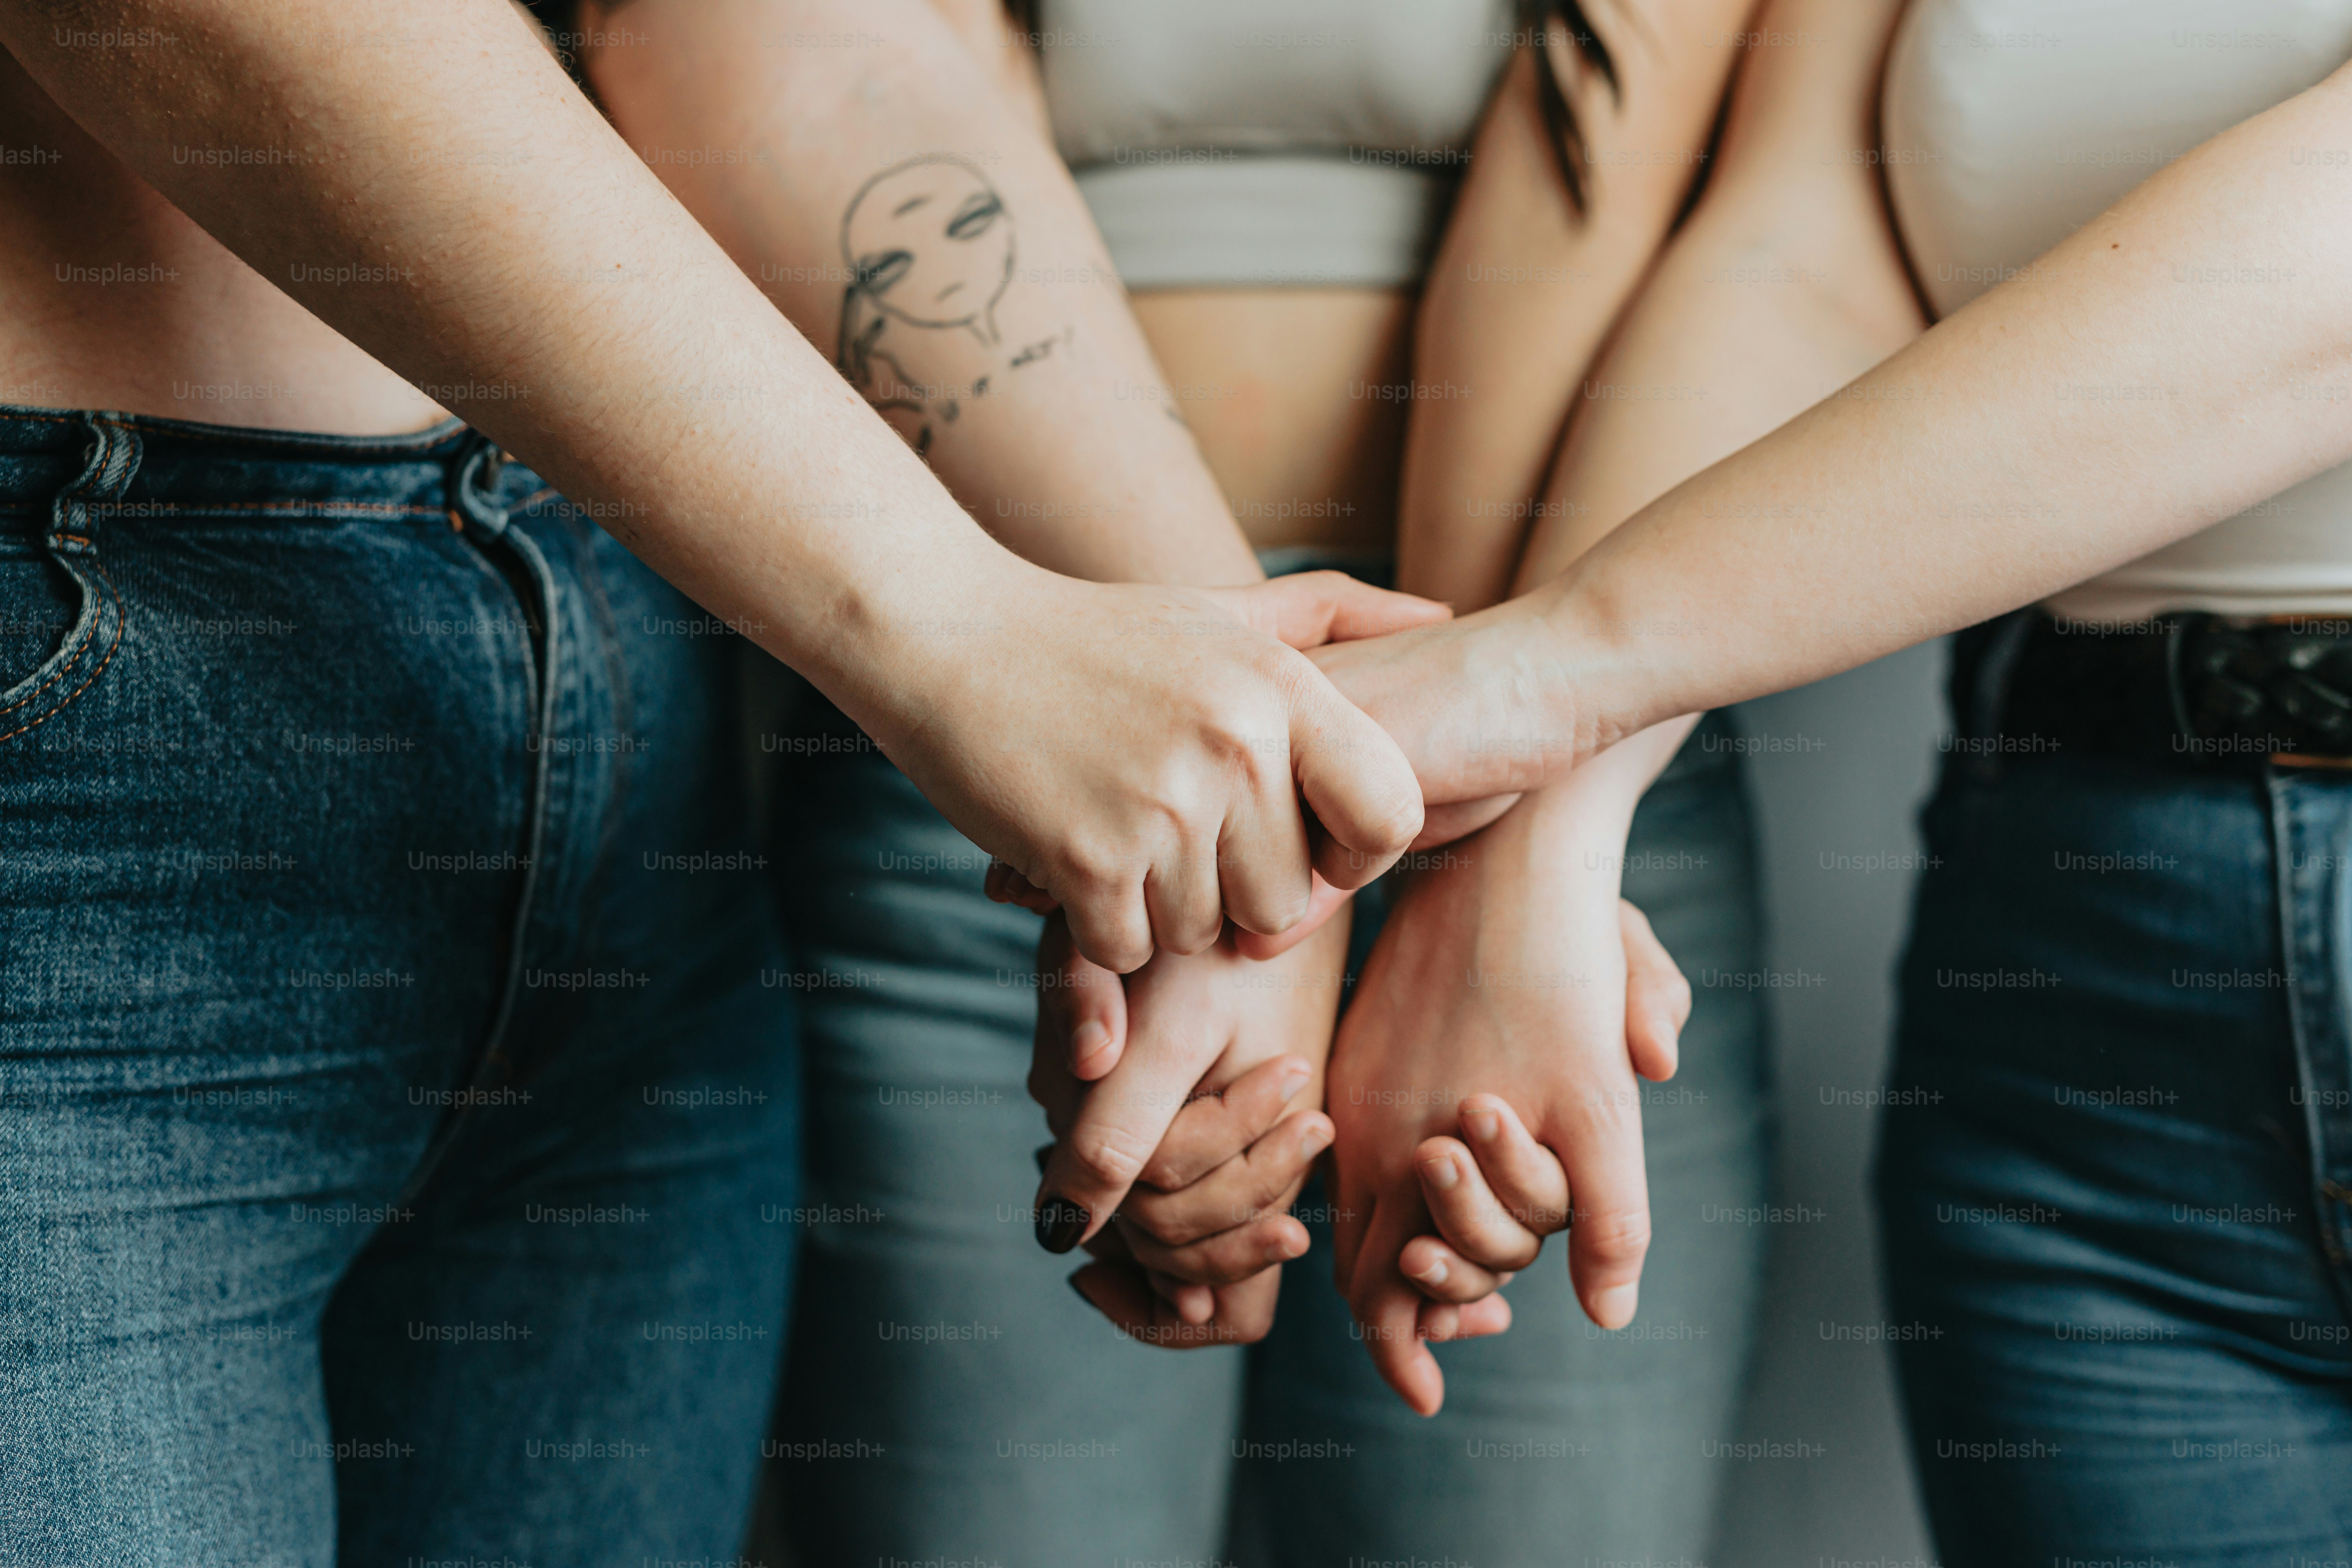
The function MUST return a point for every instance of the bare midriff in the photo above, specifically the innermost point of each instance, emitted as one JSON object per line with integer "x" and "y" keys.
{"x": 110, "y": 297}
{"x": 1298, "y": 399}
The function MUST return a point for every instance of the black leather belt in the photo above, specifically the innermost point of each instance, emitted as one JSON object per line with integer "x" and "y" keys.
{"x": 2188, "y": 689}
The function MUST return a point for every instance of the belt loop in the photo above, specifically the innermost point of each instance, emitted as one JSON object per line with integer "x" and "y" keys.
{"x": 2176, "y": 638}
{"x": 473, "y": 471}
{"x": 83, "y": 506}
{"x": 1984, "y": 659}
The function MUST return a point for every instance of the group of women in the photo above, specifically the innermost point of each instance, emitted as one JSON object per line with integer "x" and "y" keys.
{"x": 630, "y": 632}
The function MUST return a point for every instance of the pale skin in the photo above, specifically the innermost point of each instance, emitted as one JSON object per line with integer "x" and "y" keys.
{"x": 1607, "y": 647}
{"x": 375, "y": 248}
{"x": 1667, "y": 105}
{"x": 1314, "y": 340}
{"x": 804, "y": 130}
{"x": 1849, "y": 503}
{"x": 1551, "y": 1133}
{"x": 1832, "y": 505}
{"x": 1050, "y": 457}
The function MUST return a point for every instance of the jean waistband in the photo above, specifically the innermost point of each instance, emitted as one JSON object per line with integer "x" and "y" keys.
{"x": 171, "y": 468}
{"x": 2185, "y": 689}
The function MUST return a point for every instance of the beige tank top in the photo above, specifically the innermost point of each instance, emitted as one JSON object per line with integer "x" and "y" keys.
{"x": 2009, "y": 124}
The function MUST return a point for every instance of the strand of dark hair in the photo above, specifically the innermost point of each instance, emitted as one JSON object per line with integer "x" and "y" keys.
{"x": 1539, "y": 22}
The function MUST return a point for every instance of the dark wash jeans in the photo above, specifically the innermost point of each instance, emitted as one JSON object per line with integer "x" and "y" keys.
{"x": 397, "y": 1087}
{"x": 2114, "y": 1172}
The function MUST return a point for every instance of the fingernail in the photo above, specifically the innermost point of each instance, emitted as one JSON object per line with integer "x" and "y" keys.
{"x": 1664, "y": 1027}
{"x": 1044, "y": 1152}
{"x": 1484, "y": 1125}
{"x": 1440, "y": 1172}
{"x": 1283, "y": 1247}
{"x": 1060, "y": 1223}
{"x": 1436, "y": 1275}
{"x": 1312, "y": 1142}
{"x": 1294, "y": 1079}
{"x": 1613, "y": 1308}
{"x": 1089, "y": 1040}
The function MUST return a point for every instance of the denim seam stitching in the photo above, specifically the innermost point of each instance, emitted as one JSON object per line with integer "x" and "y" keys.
{"x": 113, "y": 599}
{"x": 265, "y": 508}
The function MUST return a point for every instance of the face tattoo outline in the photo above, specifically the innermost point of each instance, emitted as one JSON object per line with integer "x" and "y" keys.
{"x": 928, "y": 242}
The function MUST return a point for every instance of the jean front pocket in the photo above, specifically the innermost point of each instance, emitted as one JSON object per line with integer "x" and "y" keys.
{"x": 61, "y": 624}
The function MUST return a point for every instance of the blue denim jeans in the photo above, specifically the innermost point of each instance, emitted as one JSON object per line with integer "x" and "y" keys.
{"x": 948, "y": 1398}
{"x": 397, "y": 1094}
{"x": 2115, "y": 1171}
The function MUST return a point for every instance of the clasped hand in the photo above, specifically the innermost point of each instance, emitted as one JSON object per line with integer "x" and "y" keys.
{"x": 1483, "y": 1092}
{"x": 1170, "y": 736}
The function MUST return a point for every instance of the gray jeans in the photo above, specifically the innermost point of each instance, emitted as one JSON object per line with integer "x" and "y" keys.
{"x": 949, "y": 1400}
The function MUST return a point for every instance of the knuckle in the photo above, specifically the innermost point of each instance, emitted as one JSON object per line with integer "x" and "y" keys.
{"x": 1164, "y": 1170}
{"x": 1223, "y": 1273}
{"x": 1543, "y": 1214}
{"x": 1272, "y": 1187}
{"x": 1275, "y": 919}
{"x": 1193, "y": 933}
{"x": 1620, "y": 1236}
{"x": 1178, "y": 1230}
{"x": 1401, "y": 825}
{"x": 1270, "y": 1184}
{"x": 1508, "y": 1255}
{"x": 1165, "y": 1223}
{"x": 1173, "y": 1170}
{"x": 1093, "y": 866}
{"x": 1107, "y": 1155}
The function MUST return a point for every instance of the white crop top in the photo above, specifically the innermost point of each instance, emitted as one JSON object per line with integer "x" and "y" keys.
{"x": 2009, "y": 124}
{"x": 1252, "y": 142}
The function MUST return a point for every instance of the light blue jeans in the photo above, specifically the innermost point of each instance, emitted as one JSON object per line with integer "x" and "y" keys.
{"x": 949, "y": 1398}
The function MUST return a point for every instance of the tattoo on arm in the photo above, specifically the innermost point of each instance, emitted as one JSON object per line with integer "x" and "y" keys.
{"x": 928, "y": 244}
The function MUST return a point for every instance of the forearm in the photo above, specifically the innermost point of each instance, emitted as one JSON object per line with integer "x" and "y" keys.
{"x": 1955, "y": 481}
{"x": 1570, "y": 834}
{"x": 1036, "y": 405}
{"x": 1525, "y": 287}
{"x": 559, "y": 272}
{"x": 1784, "y": 284}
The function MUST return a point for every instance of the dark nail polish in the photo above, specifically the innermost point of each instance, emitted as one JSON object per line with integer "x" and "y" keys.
{"x": 1060, "y": 1223}
{"x": 1044, "y": 1152}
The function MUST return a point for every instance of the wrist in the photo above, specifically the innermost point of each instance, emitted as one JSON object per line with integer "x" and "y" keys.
{"x": 1593, "y": 661}
{"x": 894, "y": 650}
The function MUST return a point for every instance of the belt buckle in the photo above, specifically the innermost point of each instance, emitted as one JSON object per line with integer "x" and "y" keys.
{"x": 2298, "y": 759}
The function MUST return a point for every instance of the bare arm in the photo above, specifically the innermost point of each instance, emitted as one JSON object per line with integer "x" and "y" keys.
{"x": 1524, "y": 285}
{"x": 1783, "y": 283}
{"x": 795, "y": 129}
{"x": 1946, "y": 485}
{"x": 1057, "y": 729}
